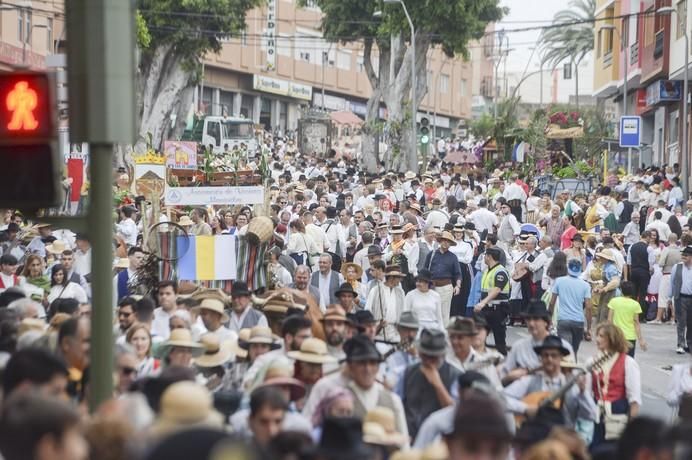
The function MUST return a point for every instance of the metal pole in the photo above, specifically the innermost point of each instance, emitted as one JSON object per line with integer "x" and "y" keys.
{"x": 626, "y": 48}
{"x": 685, "y": 153}
{"x": 100, "y": 221}
{"x": 24, "y": 35}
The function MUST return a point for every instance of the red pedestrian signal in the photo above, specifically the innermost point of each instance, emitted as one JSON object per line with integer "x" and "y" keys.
{"x": 26, "y": 106}
{"x": 31, "y": 169}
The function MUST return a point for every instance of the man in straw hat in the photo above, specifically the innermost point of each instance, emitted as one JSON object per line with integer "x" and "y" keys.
{"x": 179, "y": 349}
{"x": 405, "y": 353}
{"x": 334, "y": 324}
{"x": 386, "y": 301}
{"x": 243, "y": 315}
{"x": 577, "y": 401}
{"x": 213, "y": 314}
{"x": 445, "y": 272}
{"x": 432, "y": 376}
{"x": 310, "y": 361}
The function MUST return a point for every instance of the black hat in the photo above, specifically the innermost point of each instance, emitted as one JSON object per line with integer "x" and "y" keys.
{"x": 537, "y": 309}
{"x": 12, "y": 227}
{"x": 424, "y": 275}
{"x": 687, "y": 251}
{"x": 469, "y": 226}
{"x": 374, "y": 250}
{"x": 342, "y": 438}
{"x": 432, "y": 342}
{"x": 494, "y": 253}
{"x": 362, "y": 317}
{"x": 239, "y": 288}
{"x": 552, "y": 342}
{"x": 345, "y": 288}
{"x": 360, "y": 348}
{"x": 462, "y": 326}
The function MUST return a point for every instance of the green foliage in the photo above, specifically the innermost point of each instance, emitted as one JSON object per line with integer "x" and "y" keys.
{"x": 451, "y": 24}
{"x": 578, "y": 169}
{"x": 483, "y": 127}
{"x": 192, "y": 27}
{"x": 506, "y": 124}
{"x": 571, "y": 42}
{"x": 534, "y": 133}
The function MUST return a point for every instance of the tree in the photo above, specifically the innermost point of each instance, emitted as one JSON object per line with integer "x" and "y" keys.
{"x": 448, "y": 24}
{"x": 173, "y": 36}
{"x": 571, "y": 37}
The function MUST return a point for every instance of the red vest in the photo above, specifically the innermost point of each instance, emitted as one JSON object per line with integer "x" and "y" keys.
{"x": 15, "y": 281}
{"x": 616, "y": 381}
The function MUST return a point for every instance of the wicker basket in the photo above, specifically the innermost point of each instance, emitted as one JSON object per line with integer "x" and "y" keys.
{"x": 260, "y": 229}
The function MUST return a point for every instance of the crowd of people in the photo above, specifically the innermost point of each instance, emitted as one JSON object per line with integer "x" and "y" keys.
{"x": 397, "y": 348}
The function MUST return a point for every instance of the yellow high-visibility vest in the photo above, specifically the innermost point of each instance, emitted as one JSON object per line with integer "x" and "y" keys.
{"x": 488, "y": 282}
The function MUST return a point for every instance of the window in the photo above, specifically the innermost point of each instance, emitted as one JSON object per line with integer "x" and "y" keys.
{"x": 360, "y": 63}
{"x": 243, "y": 37}
{"x": 673, "y": 127}
{"x": 284, "y": 46}
{"x": 681, "y": 16}
{"x": 608, "y": 34}
{"x": 649, "y": 27}
{"x": 328, "y": 57}
{"x": 462, "y": 87}
{"x": 49, "y": 35}
{"x": 343, "y": 60}
{"x": 444, "y": 83}
{"x": 20, "y": 26}
{"x": 27, "y": 27}
{"x": 307, "y": 48}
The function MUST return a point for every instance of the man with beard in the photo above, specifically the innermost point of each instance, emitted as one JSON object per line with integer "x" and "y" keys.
{"x": 126, "y": 317}
{"x": 334, "y": 323}
{"x": 301, "y": 282}
{"x": 294, "y": 330}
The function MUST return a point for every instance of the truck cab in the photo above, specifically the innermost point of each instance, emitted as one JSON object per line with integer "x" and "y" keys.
{"x": 223, "y": 134}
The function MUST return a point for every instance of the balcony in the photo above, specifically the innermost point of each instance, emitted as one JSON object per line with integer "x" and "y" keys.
{"x": 634, "y": 53}
{"x": 608, "y": 59}
{"x": 659, "y": 44}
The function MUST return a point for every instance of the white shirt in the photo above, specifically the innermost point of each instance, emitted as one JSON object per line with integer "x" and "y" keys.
{"x": 514, "y": 191}
{"x": 463, "y": 250}
{"x": 427, "y": 307}
{"x": 128, "y": 230}
{"x": 72, "y": 290}
{"x": 8, "y": 281}
{"x": 483, "y": 219}
{"x": 224, "y": 334}
{"x": 437, "y": 218}
{"x": 160, "y": 325}
{"x": 82, "y": 262}
{"x": 661, "y": 227}
{"x": 323, "y": 287}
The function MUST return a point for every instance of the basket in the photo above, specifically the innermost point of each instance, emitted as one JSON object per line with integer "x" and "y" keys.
{"x": 260, "y": 229}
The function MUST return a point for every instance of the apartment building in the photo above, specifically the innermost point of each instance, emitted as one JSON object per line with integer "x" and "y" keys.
{"x": 271, "y": 80}
{"x": 30, "y": 31}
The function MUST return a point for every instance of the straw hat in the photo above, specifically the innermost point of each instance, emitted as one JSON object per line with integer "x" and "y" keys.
{"x": 185, "y": 221}
{"x": 216, "y": 352}
{"x": 261, "y": 228}
{"x": 31, "y": 324}
{"x": 41, "y": 225}
{"x": 56, "y": 247}
{"x": 393, "y": 270}
{"x": 214, "y": 305}
{"x": 606, "y": 254}
{"x": 261, "y": 335}
{"x": 122, "y": 262}
{"x": 281, "y": 375}
{"x": 356, "y": 267}
{"x": 656, "y": 188}
{"x": 396, "y": 230}
{"x": 334, "y": 313}
{"x": 408, "y": 227}
{"x": 184, "y": 405}
{"x": 436, "y": 451}
{"x": 243, "y": 336}
{"x": 409, "y": 175}
{"x": 312, "y": 350}
{"x": 447, "y": 236}
{"x": 379, "y": 427}
{"x": 180, "y": 338}
{"x": 416, "y": 207}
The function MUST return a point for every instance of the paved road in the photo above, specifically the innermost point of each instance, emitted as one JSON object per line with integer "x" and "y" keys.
{"x": 655, "y": 363}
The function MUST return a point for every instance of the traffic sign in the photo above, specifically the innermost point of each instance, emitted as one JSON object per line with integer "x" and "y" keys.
{"x": 630, "y": 131}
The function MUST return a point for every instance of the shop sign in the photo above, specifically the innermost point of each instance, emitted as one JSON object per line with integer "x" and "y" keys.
{"x": 204, "y": 196}
{"x": 330, "y": 102}
{"x": 271, "y": 35}
{"x": 358, "y": 108}
{"x": 663, "y": 91}
{"x": 281, "y": 87}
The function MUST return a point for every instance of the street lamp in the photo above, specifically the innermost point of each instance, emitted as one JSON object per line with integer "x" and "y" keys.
{"x": 414, "y": 111}
{"x": 624, "y": 88}
{"x": 669, "y": 10}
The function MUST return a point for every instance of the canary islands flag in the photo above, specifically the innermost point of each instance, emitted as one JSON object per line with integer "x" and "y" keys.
{"x": 207, "y": 258}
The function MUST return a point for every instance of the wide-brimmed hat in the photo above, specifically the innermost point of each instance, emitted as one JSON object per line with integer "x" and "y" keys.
{"x": 342, "y": 439}
{"x": 281, "y": 375}
{"x": 363, "y": 317}
{"x": 379, "y": 428}
{"x": 239, "y": 288}
{"x": 185, "y": 405}
{"x": 574, "y": 267}
{"x": 606, "y": 254}
{"x": 312, "y": 350}
{"x": 216, "y": 352}
{"x": 408, "y": 175}
{"x": 432, "y": 342}
{"x": 568, "y": 362}
{"x": 424, "y": 275}
{"x": 261, "y": 335}
{"x": 345, "y": 288}
{"x": 396, "y": 230}
{"x": 212, "y": 305}
{"x": 408, "y": 319}
{"x": 449, "y": 237}
{"x": 361, "y": 348}
{"x": 393, "y": 270}
{"x": 462, "y": 326}
{"x": 552, "y": 342}
{"x": 374, "y": 250}
{"x": 334, "y": 313}
{"x": 122, "y": 262}
{"x": 537, "y": 309}
{"x": 656, "y": 188}
{"x": 180, "y": 338}
{"x": 469, "y": 226}
{"x": 236, "y": 345}
{"x": 356, "y": 267}
{"x": 56, "y": 247}
{"x": 185, "y": 221}
{"x": 415, "y": 207}
{"x": 408, "y": 226}
{"x": 41, "y": 225}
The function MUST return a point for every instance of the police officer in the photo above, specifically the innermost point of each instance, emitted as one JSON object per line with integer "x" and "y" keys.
{"x": 495, "y": 297}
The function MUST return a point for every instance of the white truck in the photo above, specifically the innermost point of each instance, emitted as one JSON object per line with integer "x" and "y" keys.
{"x": 223, "y": 134}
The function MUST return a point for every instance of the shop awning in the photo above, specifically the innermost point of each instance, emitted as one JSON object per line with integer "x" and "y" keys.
{"x": 345, "y": 117}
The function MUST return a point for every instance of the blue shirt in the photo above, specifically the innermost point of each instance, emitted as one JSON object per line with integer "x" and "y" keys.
{"x": 443, "y": 266}
{"x": 572, "y": 293}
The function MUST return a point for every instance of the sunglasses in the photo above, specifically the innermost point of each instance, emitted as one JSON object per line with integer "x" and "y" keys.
{"x": 128, "y": 370}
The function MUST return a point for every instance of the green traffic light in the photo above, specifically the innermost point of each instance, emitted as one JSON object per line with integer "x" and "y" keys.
{"x": 424, "y": 139}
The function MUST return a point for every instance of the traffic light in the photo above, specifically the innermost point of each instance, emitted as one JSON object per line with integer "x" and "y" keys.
{"x": 424, "y": 131}
{"x": 30, "y": 172}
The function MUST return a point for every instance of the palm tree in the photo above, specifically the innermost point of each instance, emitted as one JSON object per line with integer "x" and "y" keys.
{"x": 571, "y": 37}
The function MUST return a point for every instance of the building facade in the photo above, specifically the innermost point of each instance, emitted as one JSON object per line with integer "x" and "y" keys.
{"x": 30, "y": 31}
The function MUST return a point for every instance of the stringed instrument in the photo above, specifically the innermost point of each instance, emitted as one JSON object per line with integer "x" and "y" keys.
{"x": 521, "y": 269}
{"x": 543, "y": 399}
